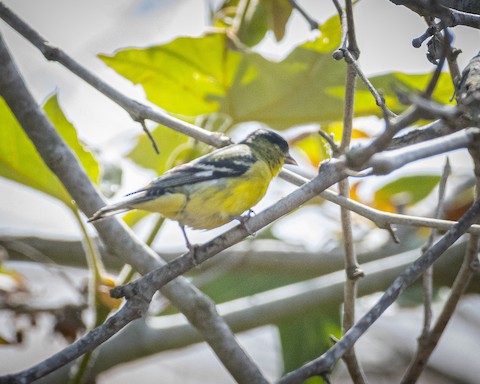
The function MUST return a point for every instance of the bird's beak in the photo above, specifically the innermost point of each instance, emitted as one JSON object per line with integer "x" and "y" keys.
{"x": 290, "y": 160}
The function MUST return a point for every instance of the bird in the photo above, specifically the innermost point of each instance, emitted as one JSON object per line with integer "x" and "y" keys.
{"x": 213, "y": 189}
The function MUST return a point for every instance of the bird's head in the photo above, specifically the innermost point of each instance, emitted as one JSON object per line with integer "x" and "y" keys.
{"x": 270, "y": 147}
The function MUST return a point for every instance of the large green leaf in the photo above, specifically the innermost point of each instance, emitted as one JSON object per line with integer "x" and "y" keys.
{"x": 194, "y": 76}
{"x": 188, "y": 76}
{"x": 20, "y": 161}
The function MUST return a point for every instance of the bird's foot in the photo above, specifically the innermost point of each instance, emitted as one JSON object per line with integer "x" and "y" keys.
{"x": 192, "y": 249}
{"x": 243, "y": 220}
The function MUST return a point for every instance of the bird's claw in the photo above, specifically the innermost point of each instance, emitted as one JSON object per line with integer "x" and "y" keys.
{"x": 243, "y": 220}
{"x": 192, "y": 249}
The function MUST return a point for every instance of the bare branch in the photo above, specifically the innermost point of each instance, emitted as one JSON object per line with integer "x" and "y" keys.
{"x": 428, "y": 275}
{"x": 431, "y": 339}
{"x": 132, "y": 310}
{"x": 313, "y": 23}
{"x": 430, "y": 131}
{"x": 386, "y": 162}
{"x": 352, "y": 267}
{"x": 380, "y": 218}
{"x": 172, "y": 331}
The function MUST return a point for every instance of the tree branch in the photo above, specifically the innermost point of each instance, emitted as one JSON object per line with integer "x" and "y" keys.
{"x": 313, "y": 23}
{"x": 352, "y": 267}
{"x": 428, "y": 275}
{"x": 386, "y": 162}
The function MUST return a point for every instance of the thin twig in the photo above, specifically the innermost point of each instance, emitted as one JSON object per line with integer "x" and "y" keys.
{"x": 428, "y": 275}
{"x": 438, "y": 69}
{"x": 430, "y": 341}
{"x": 149, "y": 135}
{"x": 313, "y": 23}
{"x": 430, "y": 131}
{"x": 449, "y": 17}
{"x": 379, "y": 99}
{"x": 355, "y": 159}
{"x": 338, "y": 54}
{"x": 352, "y": 39}
{"x": 352, "y": 268}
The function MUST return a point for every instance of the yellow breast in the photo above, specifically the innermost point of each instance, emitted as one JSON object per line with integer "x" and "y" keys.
{"x": 217, "y": 202}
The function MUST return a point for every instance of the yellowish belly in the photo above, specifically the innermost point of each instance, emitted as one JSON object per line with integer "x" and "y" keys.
{"x": 213, "y": 203}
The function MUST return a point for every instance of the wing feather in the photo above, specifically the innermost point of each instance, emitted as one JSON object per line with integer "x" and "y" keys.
{"x": 229, "y": 162}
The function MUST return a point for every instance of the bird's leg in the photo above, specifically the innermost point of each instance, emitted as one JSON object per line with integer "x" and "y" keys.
{"x": 244, "y": 221}
{"x": 191, "y": 247}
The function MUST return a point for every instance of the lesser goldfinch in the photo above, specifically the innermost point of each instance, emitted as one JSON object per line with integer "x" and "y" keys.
{"x": 213, "y": 189}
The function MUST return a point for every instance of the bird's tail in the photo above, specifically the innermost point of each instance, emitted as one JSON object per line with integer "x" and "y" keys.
{"x": 126, "y": 204}
{"x": 108, "y": 211}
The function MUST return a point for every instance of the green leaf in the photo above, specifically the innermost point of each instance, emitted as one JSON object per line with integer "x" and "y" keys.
{"x": 278, "y": 13}
{"x": 69, "y": 134}
{"x": 254, "y": 23}
{"x": 389, "y": 83}
{"x": 407, "y": 190}
{"x": 171, "y": 145}
{"x": 20, "y": 161}
{"x": 307, "y": 336}
{"x": 188, "y": 76}
{"x": 316, "y": 148}
{"x": 260, "y": 17}
{"x": 193, "y": 76}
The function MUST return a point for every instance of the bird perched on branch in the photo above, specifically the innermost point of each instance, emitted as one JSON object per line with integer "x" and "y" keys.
{"x": 214, "y": 189}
